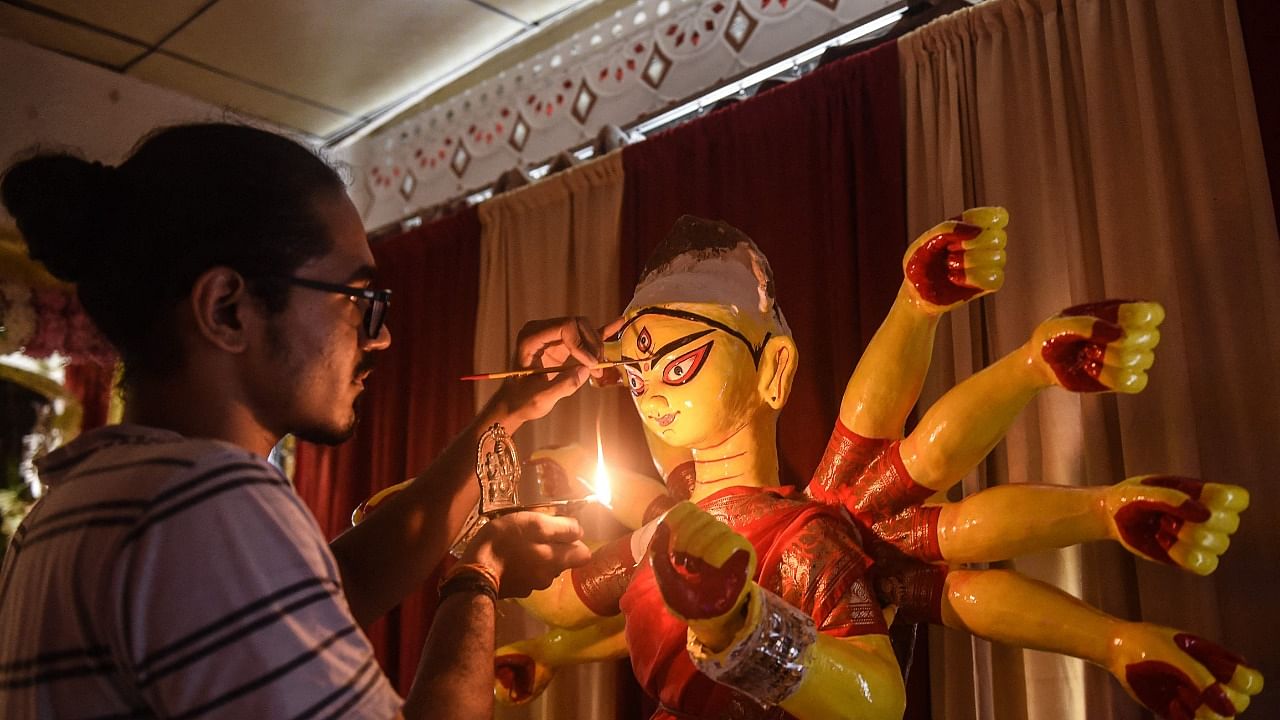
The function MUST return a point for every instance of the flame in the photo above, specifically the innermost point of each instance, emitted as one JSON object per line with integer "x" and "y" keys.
{"x": 600, "y": 482}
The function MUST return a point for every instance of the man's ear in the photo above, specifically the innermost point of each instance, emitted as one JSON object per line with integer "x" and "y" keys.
{"x": 777, "y": 370}
{"x": 220, "y": 302}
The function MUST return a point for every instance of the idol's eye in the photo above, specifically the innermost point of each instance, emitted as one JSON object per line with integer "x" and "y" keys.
{"x": 635, "y": 382}
{"x": 684, "y": 368}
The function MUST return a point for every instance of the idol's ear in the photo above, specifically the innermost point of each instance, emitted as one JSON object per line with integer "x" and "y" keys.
{"x": 777, "y": 370}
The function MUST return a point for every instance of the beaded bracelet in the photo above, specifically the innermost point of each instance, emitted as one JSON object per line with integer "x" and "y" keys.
{"x": 469, "y": 577}
{"x": 468, "y": 583}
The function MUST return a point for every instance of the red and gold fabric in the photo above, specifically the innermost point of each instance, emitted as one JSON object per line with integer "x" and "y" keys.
{"x": 809, "y": 554}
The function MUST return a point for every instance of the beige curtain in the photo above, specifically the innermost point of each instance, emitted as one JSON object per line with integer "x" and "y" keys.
{"x": 548, "y": 250}
{"x": 1121, "y": 135}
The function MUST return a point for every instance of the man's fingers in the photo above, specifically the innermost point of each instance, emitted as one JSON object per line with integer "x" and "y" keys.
{"x": 569, "y": 555}
{"x": 555, "y": 529}
{"x": 612, "y": 327}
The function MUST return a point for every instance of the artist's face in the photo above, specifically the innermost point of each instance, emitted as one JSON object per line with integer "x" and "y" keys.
{"x": 322, "y": 352}
{"x": 699, "y": 386}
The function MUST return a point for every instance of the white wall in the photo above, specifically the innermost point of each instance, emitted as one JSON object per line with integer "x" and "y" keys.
{"x": 59, "y": 103}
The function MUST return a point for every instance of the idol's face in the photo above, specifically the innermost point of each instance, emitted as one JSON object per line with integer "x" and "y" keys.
{"x": 696, "y": 382}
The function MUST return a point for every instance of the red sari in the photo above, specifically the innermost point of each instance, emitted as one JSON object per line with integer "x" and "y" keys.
{"x": 808, "y": 553}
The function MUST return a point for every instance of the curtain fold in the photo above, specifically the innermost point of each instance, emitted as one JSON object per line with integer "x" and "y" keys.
{"x": 548, "y": 250}
{"x": 413, "y": 405}
{"x": 1122, "y": 137}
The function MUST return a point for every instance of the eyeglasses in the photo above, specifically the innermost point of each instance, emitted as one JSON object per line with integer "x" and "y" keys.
{"x": 375, "y": 313}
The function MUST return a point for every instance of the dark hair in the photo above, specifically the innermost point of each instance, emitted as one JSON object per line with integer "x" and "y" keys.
{"x": 135, "y": 238}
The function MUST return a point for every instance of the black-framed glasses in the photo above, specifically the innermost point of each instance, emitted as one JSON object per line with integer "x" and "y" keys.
{"x": 377, "y": 301}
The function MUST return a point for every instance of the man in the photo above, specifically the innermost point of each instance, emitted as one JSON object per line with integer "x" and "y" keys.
{"x": 170, "y": 571}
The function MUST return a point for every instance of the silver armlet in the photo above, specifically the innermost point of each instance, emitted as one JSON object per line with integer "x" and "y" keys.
{"x": 767, "y": 659}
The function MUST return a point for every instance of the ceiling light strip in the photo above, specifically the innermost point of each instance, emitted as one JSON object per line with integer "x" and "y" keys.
{"x": 787, "y": 64}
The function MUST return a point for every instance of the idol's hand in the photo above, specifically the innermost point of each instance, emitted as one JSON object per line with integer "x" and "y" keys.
{"x": 957, "y": 260}
{"x": 1175, "y": 520}
{"x": 527, "y": 550}
{"x": 704, "y": 570}
{"x": 520, "y": 672}
{"x": 1099, "y": 347}
{"x": 1180, "y": 676}
{"x": 550, "y": 343}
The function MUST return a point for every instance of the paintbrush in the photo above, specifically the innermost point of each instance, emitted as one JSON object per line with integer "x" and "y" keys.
{"x": 546, "y": 370}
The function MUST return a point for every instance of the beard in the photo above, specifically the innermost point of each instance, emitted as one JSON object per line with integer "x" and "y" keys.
{"x": 312, "y": 429}
{"x": 328, "y": 435}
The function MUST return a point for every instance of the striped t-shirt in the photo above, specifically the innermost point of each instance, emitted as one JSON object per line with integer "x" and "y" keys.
{"x": 162, "y": 576}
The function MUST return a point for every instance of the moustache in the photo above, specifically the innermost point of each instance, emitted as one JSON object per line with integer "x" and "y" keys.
{"x": 366, "y": 364}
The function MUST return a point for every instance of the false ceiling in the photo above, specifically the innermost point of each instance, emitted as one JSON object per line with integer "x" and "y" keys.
{"x": 326, "y": 68}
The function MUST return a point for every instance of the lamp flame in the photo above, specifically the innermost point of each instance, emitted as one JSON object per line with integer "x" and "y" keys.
{"x": 600, "y": 482}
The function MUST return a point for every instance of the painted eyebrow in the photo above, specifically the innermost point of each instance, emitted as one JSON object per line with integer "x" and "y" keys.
{"x": 755, "y": 350}
{"x": 662, "y": 351}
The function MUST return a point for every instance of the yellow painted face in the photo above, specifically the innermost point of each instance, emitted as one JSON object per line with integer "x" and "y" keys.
{"x": 697, "y": 385}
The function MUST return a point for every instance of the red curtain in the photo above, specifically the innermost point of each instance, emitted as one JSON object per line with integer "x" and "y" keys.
{"x": 91, "y": 383}
{"x": 413, "y": 406}
{"x": 813, "y": 172}
{"x": 1260, "y": 26}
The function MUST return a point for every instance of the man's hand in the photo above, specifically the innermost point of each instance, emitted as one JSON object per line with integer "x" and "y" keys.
{"x": 551, "y": 343}
{"x": 527, "y": 550}
{"x": 704, "y": 571}
{"x": 957, "y": 260}
{"x": 1175, "y": 520}
{"x": 1099, "y": 347}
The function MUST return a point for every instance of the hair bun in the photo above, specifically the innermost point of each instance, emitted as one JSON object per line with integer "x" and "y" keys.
{"x": 60, "y": 203}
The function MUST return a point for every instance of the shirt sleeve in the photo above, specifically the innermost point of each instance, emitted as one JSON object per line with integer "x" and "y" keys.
{"x": 230, "y": 605}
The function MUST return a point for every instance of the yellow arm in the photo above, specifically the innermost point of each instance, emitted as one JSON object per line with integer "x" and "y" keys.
{"x": 1163, "y": 518}
{"x": 854, "y": 677}
{"x": 1102, "y": 347}
{"x": 946, "y": 266}
{"x": 890, "y": 373}
{"x": 559, "y": 604}
{"x": 524, "y": 669}
{"x": 1161, "y": 668}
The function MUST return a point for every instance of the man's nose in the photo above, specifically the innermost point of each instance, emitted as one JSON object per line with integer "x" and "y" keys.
{"x": 379, "y": 343}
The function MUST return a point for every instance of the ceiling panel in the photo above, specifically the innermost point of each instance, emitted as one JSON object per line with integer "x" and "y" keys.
{"x": 220, "y": 90}
{"x": 54, "y": 34}
{"x": 356, "y": 56}
{"x": 145, "y": 20}
{"x": 532, "y": 11}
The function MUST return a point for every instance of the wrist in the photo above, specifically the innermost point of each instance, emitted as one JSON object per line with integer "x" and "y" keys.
{"x": 469, "y": 578}
{"x": 1031, "y": 368}
{"x": 768, "y": 657}
{"x": 500, "y": 410}
{"x": 480, "y": 553}
{"x": 912, "y": 305}
{"x": 718, "y": 633}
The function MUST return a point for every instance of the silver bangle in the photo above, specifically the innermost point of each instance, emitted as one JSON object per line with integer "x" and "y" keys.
{"x": 767, "y": 659}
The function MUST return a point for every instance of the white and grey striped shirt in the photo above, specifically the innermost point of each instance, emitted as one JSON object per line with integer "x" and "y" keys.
{"x": 162, "y": 576}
